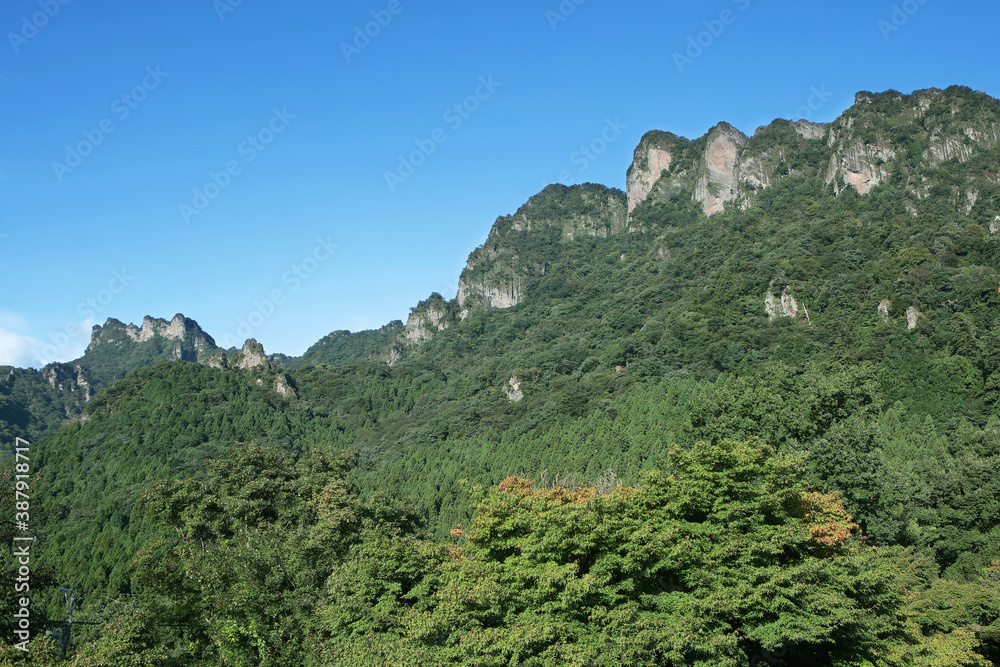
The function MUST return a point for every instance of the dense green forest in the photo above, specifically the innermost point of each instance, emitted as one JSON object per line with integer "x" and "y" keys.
{"x": 677, "y": 478}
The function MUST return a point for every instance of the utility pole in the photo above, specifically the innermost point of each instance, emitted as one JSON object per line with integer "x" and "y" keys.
{"x": 62, "y": 635}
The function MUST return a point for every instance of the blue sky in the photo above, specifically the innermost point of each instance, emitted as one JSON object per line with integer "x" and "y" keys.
{"x": 273, "y": 164}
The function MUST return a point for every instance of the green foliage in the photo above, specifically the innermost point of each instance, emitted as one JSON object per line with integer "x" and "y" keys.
{"x": 702, "y": 465}
{"x": 253, "y": 545}
{"x": 719, "y": 559}
{"x": 342, "y": 348}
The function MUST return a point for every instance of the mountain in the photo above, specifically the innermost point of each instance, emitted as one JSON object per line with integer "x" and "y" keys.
{"x": 33, "y": 402}
{"x": 823, "y": 295}
{"x": 936, "y": 148}
{"x": 341, "y": 348}
{"x": 886, "y": 137}
{"x": 890, "y": 139}
{"x": 117, "y": 348}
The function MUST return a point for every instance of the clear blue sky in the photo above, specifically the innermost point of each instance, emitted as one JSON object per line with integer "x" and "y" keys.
{"x": 308, "y": 129}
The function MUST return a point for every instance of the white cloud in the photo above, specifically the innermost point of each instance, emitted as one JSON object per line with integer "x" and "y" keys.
{"x": 19, "y": 348}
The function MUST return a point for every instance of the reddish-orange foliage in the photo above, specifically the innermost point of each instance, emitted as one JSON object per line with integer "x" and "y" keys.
{"x": 829, "y": 522}
{"x": 563, "y": 496}
{"x": 515, "y": 483}
{"x": 558, "y": 494}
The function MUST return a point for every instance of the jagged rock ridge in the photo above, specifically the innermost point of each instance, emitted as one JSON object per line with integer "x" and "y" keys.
{"x": 498, "y": 272}
{"x": 429, "y": 316}
{"x": 879, "y": 136}
{"x": 922, "y": 129}
{"x": 190, "y": 342}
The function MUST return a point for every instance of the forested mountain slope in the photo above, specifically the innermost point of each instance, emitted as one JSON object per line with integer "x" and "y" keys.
{"x": 33, "y": 402}
{"x": 816, "y": 304}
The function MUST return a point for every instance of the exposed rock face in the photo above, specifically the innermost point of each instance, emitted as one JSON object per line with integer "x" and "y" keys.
{"x": 500, "y": 289}
{"x": 251, "y": 356}
{"x": 82, "y": 383}
{"x": 498, "y": 272}
{"x": 217, "y": 360}
{"x": 283, "y": 388}
{"x": 972, "y": 196}
{"x": 863, "y": 137}
{"x": 785, "y": 306}
{"x": 810, "y": 130}
{"x": 579, "y": 210}
{"x": 66, "y": 377}
{"x": 512, "y": 388}
{"x": 942, "y": 150}
{"x": 911, "y": 317}
{"x": 649, "y": 162}
{"x": 725, "y": 166}
{"x": 883, "y": 309}
{"x": 494, "y": 276}
{"x": 427, "y": 318}
{"x": 192, "y": 343}
{"x": 157, "y": 327}
{"x": 861, "y": 165}
{"x": 720, "y": 182}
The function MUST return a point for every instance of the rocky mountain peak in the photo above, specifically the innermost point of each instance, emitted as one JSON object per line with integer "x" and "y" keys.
{"x": 720, "y": 178}
{"x": 653, "y": 156}
{"x": 879, "y": 133}
{"x": 519, "y": 245}
{"x": 251, "y": 356}
{"x": 430, "y": 316}
{"x": 180, "y": 329}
